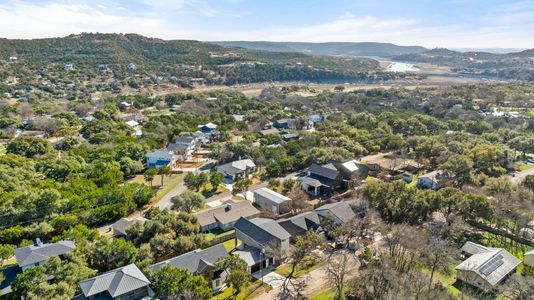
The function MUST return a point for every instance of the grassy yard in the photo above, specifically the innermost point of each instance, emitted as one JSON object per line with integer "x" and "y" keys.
{"x": 447, "y": 280}
{"x": 324, "y": 295}
{"x": 255, "y": 289}
{"x": 524, "y": 166}
{"x": 218, "y": 233}
{"x": 169, "y": 183}
{"x": 300, "y": 271}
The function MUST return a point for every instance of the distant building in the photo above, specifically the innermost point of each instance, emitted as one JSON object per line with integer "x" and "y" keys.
{"x": 270, "y": 131}
{"x": 224, "y": 216}
{"x": 207, "y": 128}
{"x": 313, "y": 120}
{"x": 529, "y": 258}
{"x": 270, "y": 200}
{"x": 290, "y": 136}
{"x": 68, "y": 67}
{"x": 285, "y": 124}
{"x": 432, "y": 180}
{"x": 12, "y": 59}
{"x": 239, "y": 118}
{"x": 131, "y": 66}
{"x": 121, "y": 227}
{"x": 485, "y": 267}
{"x": 237, "y": 169}
{"x": 200, "y": 262}
{"x": 159, "y": 158}
{"x": 37, "y": 254}
{"x": 136, "y": 127}
{"x": 103, "y": 67}
{"x": 126, "y": 283}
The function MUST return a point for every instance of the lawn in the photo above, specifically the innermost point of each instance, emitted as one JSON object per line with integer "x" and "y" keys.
{"x": 218, "y": 233}
{"x": 324, "y": 295}
{"x": 255, "y": 289}
{"x": 169, "y": 183}
{"x": 309, "y": 266}
{"x": 447, "y": 280}
{"x": 524, "y": 166}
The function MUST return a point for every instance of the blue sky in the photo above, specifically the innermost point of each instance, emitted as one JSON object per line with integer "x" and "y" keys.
{"x": 445, "y": 23}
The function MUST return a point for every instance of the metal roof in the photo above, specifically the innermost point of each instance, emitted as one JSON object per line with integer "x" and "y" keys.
{"x": 341, "y": 210}
{"x": 195, "y": 261}
{"x": 226, "y": 213}
{"x": 116, "y": 282}
{"x": 271, "y": 195}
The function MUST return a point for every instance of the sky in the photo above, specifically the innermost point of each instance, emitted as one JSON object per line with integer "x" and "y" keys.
{"x": 455, "y": 24}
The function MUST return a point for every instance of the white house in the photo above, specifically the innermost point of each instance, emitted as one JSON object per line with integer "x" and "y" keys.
{"x": 136, "y": 127}
{"x": 159, "y": 158}
{"x": 237, "y": 169}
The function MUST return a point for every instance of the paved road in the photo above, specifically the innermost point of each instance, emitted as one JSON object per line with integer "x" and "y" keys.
{"x": 520, "y": 176}
{"x": 270, "y": 277}
{"x": 165, "y": 201}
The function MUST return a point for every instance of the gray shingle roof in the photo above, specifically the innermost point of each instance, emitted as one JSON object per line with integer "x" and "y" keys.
{"x": 116, "y": 282}
{"x": 250, "y": 255}
{"x": 236, "y": 167}
{"x": 33, "y": 254}
{"x": 195, "y": 261}
{"x": 226, "y": 214}
{"x": 341, "y": 210}
{"x": 122, "y": 225}
{"x": 326, "y": 171}
{"x": 262, "y": 230}
{"x": 492, "y": 265}
{"x": 300, "y": 223}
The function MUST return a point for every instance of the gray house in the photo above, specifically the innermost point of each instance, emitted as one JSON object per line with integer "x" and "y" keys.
{"x": 200, "y": 262}
{"x": 261, "y": 238}
{"x": 322, "y": 180}
{"x": 270, "y": 200}
{"x": 224, "y": 216}
{"x": 120, "y": 227}
{"x": 486, "y": 267}
{"x": 37, "y": 254}
{"x": 300, "y": 224}
{"x": 340, "y": 212}
{"x": 126, "y": 283}
{"x": 237, "y": 169}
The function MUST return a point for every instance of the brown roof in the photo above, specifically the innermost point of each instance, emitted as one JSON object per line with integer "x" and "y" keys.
{"x": 226, "y": 213}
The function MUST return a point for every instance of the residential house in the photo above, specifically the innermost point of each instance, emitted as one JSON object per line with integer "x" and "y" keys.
{"x": 183, "y": 147}
{"x": 239, "y": 118}
{"x": 136, "y": 127}
{"x": 237, "y": 169}
{"x": 126, "y": 283}
{"x": 121, "y": 227}
{"x": 322, "y": 180}
{"x": 351, "y": 169}
{"x": 200, "y": 262}
{"x": 340, "y": 212}
{"x": 207, "y": 128}
{"x": 269, "y": 131}
{"x": 159, "y": 158}
{"x": 68, "y": 67}
{"x": 486, "y": 267}
{"x": 12, "y": 59}
{"x": 432, "y": 180}
{"x": 300, "y": 224}
{"x": 285, "y": 124}
{"x": 290, "y": 136}
{"x": 262, "y": 242}
{"x": 131, "y": 66}
{"x": 37, "y": 254}
{"x": 270, "y": 200}
{"x": 529, "y": 258}
{"x": 313, "y": 120}
{"x": 389, "y": 163}
{"x": 224, "y": 216}
{"x": 103, "y": 67}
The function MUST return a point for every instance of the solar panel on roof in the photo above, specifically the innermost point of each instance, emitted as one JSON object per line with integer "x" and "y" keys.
{"x": 492, "y": 265}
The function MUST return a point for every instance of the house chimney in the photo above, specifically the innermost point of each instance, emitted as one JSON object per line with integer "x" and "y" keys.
{"x": 228, "y": 207}
{"x": 38, "y": 242}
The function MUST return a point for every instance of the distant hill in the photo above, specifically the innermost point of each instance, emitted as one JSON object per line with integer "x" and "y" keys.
{"x": 515, "y": 65}
{"x": 183, "y": 61}
{"x": 330, "y": 49}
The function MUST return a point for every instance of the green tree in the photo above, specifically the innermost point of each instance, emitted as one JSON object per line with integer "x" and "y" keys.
{"x": 27, "y": 281}
{"x": 28, "y": 146}
{"x": 107, "y": 254}
{"x": 216, "y": 179}
{"x": 164, "y": 171}
{"x": 173, "y": 283}
{"x": 188, "y": 201}
{"x": 192, "y": 181}
{"x": 528, "y": 182}
{"x": 6, "y": 251}
{"x": 241, "y": 185}
{"x": 150, "y": 174}
{"x": 236, "y": 269}
{"x": 459, "y": 168}
{"x": 203, "y": 178}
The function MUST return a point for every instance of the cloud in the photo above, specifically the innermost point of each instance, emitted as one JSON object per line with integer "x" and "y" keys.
{"x": 505, "y": 26}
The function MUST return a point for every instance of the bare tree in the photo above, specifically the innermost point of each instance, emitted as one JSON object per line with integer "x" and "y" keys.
{"x": 336, "y": 270}
{"x": 25, "y": 110}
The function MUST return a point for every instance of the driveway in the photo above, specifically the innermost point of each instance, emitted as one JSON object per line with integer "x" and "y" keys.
{"x": 271, "y": 278}
{"x": 520, "y": 176}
